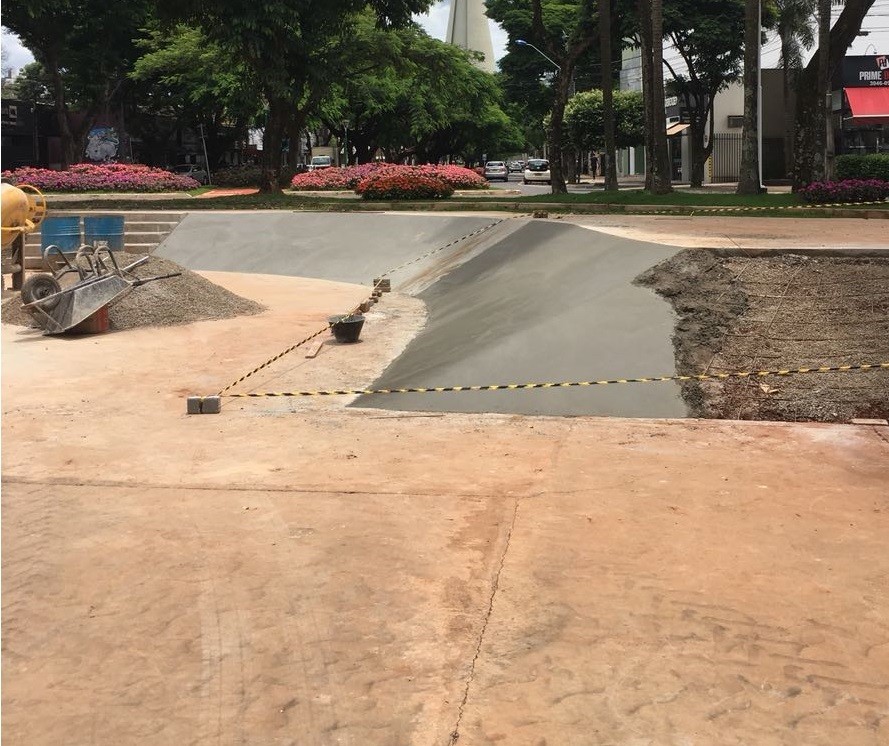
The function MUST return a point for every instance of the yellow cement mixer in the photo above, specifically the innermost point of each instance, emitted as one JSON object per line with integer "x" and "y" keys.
{"x": 23, "y": 208}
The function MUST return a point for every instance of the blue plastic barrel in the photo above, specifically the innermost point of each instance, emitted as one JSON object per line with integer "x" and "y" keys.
{"x": 61, "y": 231}
{"x": 108, "y": 228}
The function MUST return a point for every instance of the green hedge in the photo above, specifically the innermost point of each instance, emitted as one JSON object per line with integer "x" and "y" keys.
{"x": 247, "y": 176}
{"x": 874, "y": 166}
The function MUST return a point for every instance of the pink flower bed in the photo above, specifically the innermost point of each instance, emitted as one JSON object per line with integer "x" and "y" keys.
{"x": 348, "y": 179}
{"x": 850, "y": 190}
{"x": 382, "y": 185}
{"x": 109, "y": 177}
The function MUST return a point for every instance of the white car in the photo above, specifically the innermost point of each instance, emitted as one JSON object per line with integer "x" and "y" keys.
{"x": 536, "y": 171}
{"x": 320, "y": 161}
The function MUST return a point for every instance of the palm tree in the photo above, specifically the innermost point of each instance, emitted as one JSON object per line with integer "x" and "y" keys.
{"x": 796, "y": 32}
{"x": 609, "y": 167}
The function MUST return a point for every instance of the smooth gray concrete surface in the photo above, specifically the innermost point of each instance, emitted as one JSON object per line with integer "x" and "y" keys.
{"x": 530, "y": 300}
{"x": 551, "y": 302}
{"x": 344, "y": 247}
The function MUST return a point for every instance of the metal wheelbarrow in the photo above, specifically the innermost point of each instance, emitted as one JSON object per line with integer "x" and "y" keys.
{"x": 101, "y": 282}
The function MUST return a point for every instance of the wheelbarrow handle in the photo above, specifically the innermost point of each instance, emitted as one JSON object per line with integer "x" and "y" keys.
{"x": 143, "y": 280}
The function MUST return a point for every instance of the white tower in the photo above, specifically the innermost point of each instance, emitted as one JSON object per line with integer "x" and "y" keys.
{"x": 468, "y": 28}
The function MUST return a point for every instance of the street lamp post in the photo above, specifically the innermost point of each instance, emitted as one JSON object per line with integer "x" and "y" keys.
{"x": 346, "y": 139}
{"x": 523, "y": 43}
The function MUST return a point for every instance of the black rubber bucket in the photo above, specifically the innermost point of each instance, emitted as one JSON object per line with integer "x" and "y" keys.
{"x": 346, "y": 328}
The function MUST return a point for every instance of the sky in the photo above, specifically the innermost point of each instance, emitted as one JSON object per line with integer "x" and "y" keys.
{"x": 436, "y": 24}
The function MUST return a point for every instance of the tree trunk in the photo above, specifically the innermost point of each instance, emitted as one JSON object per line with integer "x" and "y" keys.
{"x": 68, "y": 145}
{"x": 271, "y": 147}
{"x": 788, "y": 79}
{"x": 661, "y": 175}
{"x": 698, "y": 152}
{"x": 819, "y": 163}
{"x": 748, "y": 182}
{"x": 609, "y": 167}
{"x": 808, "y": 130}
{"x": 557, "y": 118}
{"x": 644, "y": 10}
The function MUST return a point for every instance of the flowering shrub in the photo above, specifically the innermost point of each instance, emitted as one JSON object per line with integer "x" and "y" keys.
{"x": 343, "y": 179}
{"x": 403, "y": 186}
{"x": 110, "y": 177}
{"x": 247, "y": 176}
{"x": 851, "y": 190}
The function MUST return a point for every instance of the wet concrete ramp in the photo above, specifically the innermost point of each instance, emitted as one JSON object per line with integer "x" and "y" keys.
{"x": 343, "y": 247}
{"x": 550, "y": 302}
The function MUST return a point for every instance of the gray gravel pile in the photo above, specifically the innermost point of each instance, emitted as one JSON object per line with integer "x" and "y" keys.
{"x": 178, "y": 300}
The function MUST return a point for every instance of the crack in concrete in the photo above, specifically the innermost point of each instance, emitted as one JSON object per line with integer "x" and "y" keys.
{"x": 455, "y": 733}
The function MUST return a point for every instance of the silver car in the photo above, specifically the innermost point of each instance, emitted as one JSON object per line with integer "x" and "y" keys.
{"x": 199, "y": 173}
{"x": 496, "y": 170}
{"x": 536, "y": 171}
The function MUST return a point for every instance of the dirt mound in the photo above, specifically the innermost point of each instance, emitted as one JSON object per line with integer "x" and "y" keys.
{"x": 782, "y": 312}
{"x": 178, "y": 300}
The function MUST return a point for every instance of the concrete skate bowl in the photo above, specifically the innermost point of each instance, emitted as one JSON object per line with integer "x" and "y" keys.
{"x": 549, "y": 302}
{"x": 527, "y": 301}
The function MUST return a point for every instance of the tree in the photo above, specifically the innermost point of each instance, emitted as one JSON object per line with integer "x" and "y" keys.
{"x": 189, "y": 79}
{"x": 414, "y": 96}
{"x": 585, "y": 115}
{"x": 649, "y": 14}
{"x": 809, "y": 141}
{"x": 708, "y": 36}
{"x": 86, "y": 48}
{"x": 609, "y": 167}
{"x": 290, "y": 51}
{"x": 564, "y": 30}
{"x": 749, "y": 181}
{"x": 794, "y": 25}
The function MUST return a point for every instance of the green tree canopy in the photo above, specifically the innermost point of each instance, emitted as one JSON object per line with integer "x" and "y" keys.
{"x": 411, "y": 95}
{"x": 584, "y": 120}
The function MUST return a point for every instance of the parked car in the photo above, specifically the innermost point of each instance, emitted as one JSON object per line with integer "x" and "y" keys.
{"x": 537, "y": 170}
{"x": 516, "y": 167}
{"x": 320, "y": 161}
{"x": 196, "y": 172}
{"x": 496, "y": 170}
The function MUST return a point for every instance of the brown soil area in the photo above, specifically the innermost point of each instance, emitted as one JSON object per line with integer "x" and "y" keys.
{"x": 745, "y": 313}
{"x": 177, "y": 300}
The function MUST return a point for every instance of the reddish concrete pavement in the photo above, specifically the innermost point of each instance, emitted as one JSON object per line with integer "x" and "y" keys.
{"x": 295, "y": 572}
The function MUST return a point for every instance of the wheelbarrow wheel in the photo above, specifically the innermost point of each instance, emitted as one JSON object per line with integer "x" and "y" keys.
{"x": 38, "y": 287}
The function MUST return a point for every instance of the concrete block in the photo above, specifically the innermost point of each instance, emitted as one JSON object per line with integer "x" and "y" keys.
{"x": 203, "y": 405}
{"x": 211, "y": 405}
{"x": 865, "y": 421}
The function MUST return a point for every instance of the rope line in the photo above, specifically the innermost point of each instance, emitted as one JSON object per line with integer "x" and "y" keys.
{"x": 571, "y": 384}
{"x": 354, "y": 310}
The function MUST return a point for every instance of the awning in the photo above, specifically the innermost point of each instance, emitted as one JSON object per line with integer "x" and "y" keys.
{"x": 869, "y": 105}
{"x": 675, "y": 129}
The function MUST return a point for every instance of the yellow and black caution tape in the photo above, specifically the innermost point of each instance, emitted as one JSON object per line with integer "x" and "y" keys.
{"x": 442, "y": 248}
{"x": 570, "y": 384}
{"x": 766, "y": 208}
{"x": 378, "y": 283}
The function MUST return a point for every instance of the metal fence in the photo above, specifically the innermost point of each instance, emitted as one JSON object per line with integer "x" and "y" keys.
{"x": 726, "y": 157}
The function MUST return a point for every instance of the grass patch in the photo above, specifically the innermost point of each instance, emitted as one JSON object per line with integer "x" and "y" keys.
{"x": 678, "y": 202}
{"x": 640, "y": 197}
